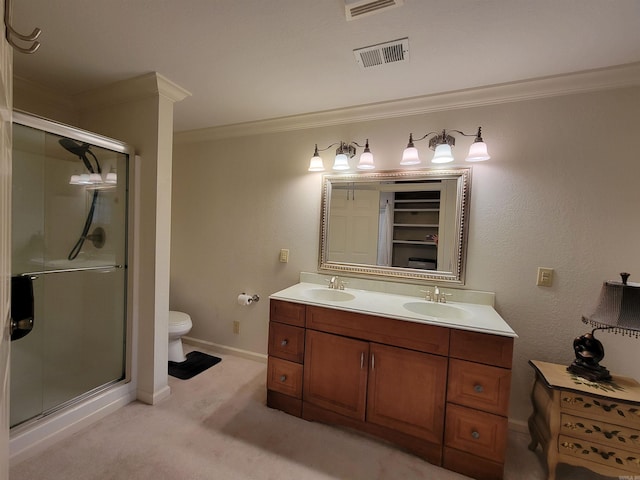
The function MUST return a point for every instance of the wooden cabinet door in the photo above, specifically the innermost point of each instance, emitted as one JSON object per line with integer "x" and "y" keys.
{"x": 335, "y": 373}
{"x": 406, "y": 391}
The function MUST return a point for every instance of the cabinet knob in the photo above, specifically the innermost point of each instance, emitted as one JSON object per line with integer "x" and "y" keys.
{"x": 478, "y": 388}
{"x": 475, "y": 435}
{"x": 283, "y": 378}
{"x": 284, "y": 342}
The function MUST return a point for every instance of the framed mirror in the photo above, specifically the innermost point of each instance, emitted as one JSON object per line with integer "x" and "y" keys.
{"x": 409, "y": 225}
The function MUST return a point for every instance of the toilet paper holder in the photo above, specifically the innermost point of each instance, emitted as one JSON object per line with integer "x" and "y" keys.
{"x": 246, "y": 299}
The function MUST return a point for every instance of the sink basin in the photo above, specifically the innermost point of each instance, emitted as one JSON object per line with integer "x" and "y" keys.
{"x": 329, "y": 295}
{"x": 438, "y": 310}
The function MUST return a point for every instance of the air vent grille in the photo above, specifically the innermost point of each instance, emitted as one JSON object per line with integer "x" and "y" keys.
{"x": 383, "y": 53}
{"x": 359, "y": 8}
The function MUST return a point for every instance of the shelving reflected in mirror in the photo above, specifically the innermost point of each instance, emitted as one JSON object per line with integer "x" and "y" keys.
{"x": 398, "y": 224}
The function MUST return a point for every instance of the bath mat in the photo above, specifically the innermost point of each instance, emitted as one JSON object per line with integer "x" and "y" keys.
{"x": 196, "y": 362}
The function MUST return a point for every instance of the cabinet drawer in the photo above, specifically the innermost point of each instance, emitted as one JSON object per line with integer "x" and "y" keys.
{"x": 387, "y": 331}
{"x": 479, "y": 386}
{"x": 482, "y": 347}
{"x": 607, "y": 410}
{"x": 284, "y": 377}
{"x": 600, "y": 432}
{"x": 286, "y": 342}
{"x": 479, "y": 433}
{"x": 287, "y": 312}
{"x": 586, "y": 451}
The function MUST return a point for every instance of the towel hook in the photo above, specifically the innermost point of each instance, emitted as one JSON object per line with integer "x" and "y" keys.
{"x": 10, "y": 32}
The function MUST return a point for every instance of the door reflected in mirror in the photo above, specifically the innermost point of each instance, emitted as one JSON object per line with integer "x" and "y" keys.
{"x": 404, "y": 224}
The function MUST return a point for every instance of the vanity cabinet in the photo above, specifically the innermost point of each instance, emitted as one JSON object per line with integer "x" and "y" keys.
{"x": 286, "y": 354}
{"x": 441, "y": 393}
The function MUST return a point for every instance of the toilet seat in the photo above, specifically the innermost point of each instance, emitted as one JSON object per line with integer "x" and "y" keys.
{"x": 179, "y": 325}
{"x": 179, "y": 320}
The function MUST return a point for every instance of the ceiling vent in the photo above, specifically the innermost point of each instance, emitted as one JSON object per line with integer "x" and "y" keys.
{"x": 361, "y": 8}
{"x": 383, "y": 53}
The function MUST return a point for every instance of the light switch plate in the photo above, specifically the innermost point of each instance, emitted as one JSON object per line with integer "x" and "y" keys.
{"x": 545, "y": 277}
{"x": 284, "y": 255}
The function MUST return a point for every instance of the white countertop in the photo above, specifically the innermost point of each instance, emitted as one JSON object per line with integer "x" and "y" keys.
{"x": 464, "y": 316}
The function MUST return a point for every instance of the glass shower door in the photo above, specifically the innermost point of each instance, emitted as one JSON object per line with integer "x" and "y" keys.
{"x": 69, "y": 219}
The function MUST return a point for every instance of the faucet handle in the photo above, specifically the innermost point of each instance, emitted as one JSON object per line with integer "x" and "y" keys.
{"x": 428, "y": 295}
{"x": 341, "y": 284}
{"x": 443, "y": 297}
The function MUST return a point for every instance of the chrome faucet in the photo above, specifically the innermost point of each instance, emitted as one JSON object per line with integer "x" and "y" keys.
{"x": 333, "y": 283}
{"x": 436, "y": 296}
{"x": 439, "y": 296}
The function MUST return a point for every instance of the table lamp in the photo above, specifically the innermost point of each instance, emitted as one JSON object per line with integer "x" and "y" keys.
{"x": 618, "y": 310}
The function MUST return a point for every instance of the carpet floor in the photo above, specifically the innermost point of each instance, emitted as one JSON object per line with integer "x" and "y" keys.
{"x": 216, "y": 426}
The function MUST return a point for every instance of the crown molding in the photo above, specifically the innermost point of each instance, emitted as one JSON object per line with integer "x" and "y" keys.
{"x": 143, "y": 86}
{"x": 580, "y": 82}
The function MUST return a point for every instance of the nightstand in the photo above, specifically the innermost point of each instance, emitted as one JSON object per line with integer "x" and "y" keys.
{"x": 595, "y": 425}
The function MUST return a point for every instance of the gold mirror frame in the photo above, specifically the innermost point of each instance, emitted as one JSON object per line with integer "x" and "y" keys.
{"x": 459, "y": 237}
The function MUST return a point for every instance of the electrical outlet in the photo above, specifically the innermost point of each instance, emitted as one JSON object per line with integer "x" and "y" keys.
{"x": 545, "y": 277}
{"x": 284, "y": 255}
{"x": 236, "y": 327}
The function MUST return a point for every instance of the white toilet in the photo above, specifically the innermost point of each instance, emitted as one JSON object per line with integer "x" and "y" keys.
{"x": 179, "y": 325}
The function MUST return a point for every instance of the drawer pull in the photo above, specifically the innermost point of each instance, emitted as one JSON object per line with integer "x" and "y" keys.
{"x": 478, "y": 388}
{"x": 284, "y": 342}
{"x": 283, "y": 378}
{"x": 361, "y": 360}
{"x": 475, "y": 435}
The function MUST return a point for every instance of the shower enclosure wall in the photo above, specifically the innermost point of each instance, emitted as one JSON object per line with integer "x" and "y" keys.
{"x": 69, "y": 267}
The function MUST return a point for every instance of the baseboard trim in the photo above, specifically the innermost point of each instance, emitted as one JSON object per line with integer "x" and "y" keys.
{"x": 216, "y": 347}
{"x": 152, "y": 398}
{"x": 518, "y": 426}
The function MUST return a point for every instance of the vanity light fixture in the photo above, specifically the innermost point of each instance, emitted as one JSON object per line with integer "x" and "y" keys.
{"x": 344, "y": 152}
{"x": 442, "y": 143}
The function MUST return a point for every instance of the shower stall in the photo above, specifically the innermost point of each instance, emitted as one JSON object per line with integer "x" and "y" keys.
{"x": 70, "y": 321}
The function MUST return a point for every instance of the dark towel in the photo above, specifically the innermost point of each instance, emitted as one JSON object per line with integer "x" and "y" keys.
{"x": 21, "y": 305}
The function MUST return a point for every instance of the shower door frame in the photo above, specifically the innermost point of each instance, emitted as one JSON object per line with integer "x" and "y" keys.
{"x": 57, "y": 128}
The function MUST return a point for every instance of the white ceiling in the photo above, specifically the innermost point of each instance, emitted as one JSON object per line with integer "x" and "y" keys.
{"x": 247, "y": 60}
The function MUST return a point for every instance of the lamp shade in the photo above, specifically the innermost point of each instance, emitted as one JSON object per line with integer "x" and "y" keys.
{"x": 112, "y": 178}
{"x": 341, "y": 162}
{"x": 478, "y": 152}
{"x": 410, "y": 156}
{"x": 95, "y": 179}
{"x": 618, "y": 309}
{"x": 443, "y": 154}
{"x": 366, "y": 161}
{"x": 316, "y": 165}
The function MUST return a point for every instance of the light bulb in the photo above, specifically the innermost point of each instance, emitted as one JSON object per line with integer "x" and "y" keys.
{"x": 478, "y": 152}
{"x": 366, "y": 161}
{"x": 443, "y": 154}
{"x": 410, "y": 156}
{"x": 341, "y": 162}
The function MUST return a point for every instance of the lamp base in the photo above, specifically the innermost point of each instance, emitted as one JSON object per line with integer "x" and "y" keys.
{"x": 589, "y": 352}
{"x": 593, "y": 373}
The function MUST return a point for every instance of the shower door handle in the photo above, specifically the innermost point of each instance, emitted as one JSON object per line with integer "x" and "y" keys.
{"x": 22, "y": 309}
{"x": 20, "y": 328}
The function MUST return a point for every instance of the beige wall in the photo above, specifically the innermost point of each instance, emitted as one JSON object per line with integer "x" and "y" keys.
{"x": 561, "y": 191}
